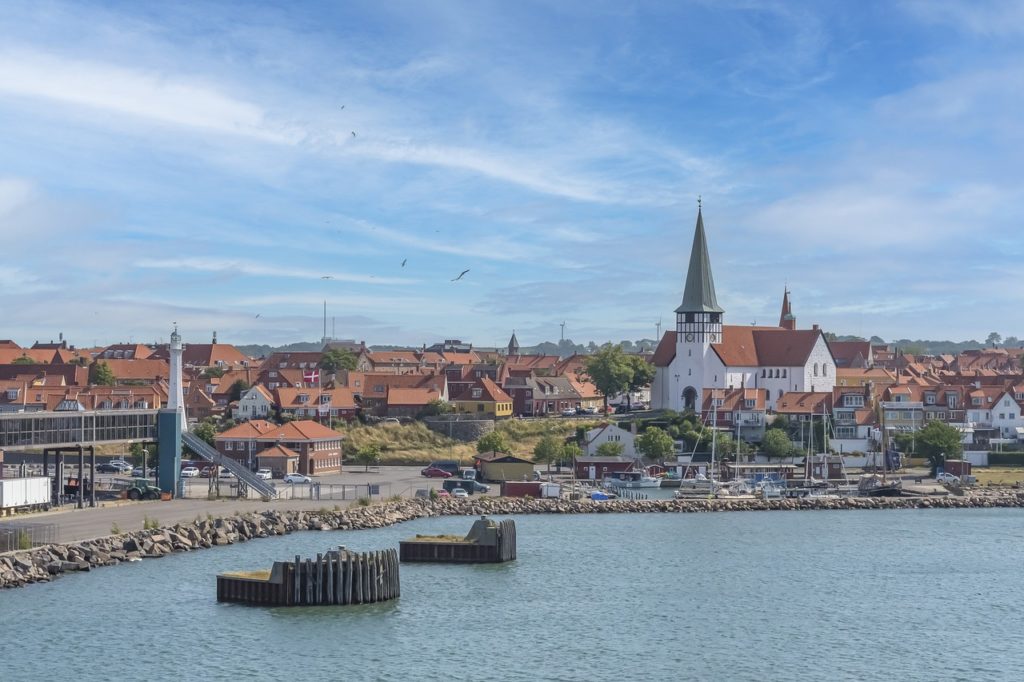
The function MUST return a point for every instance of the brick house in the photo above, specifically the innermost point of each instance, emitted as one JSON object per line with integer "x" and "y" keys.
{"x": 319, "y": 449}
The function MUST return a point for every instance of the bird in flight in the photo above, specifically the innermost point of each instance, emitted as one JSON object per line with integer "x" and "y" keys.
{"x": 353, "y": 133}
{"x": 404, "y": 261}
{"x": 342, "y": 106}
{"x": 326, "y": 277}
{"x": 461, "y": 275}
{"x": 258, "y": 315}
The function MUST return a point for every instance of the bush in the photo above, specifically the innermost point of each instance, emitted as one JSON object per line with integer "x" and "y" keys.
{"x": 363, "y": 501}
{"x": 149, "y": 523}
{"x": 115, "y": 529}
{"x": 24, "y": 540}
{"x": 1006, "y": 459}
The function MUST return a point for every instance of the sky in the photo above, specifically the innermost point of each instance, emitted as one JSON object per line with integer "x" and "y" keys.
{"x": 210, "y": 164}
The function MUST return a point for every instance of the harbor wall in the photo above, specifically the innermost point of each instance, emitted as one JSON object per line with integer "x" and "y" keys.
{"x": 45, "y": 563}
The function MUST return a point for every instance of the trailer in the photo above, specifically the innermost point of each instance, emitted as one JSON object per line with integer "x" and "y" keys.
{"x": 20, "y": 494}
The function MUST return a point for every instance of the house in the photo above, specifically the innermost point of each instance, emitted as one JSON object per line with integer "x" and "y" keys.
{"x": 255, "y": 403}
{"x": 145, "y": 371}
{"x": 851, "y": 354}
{"x": 125, "y": 351}
{"x": 373, "y": 396}
{"x": 280, "y": 460}
{"x": 854, "y": 422}
{"x": 199, "y": 405}
{"x": 610, "y": 433}
{"x": 409, "y": 402}
{"x": 484, "y": 398}
{"x": 1007, "y": 413}
{"x": 702, "y": 352}
{"x": 318, "y": 448}
{"x": 327, "y": 403}
{"x": 553, "y": 395}
{"x": 740, "y": 411}
{"x": 501, "y": 466}
{"x": 592, "y": 468}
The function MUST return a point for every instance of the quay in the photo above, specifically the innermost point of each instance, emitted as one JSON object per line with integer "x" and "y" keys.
{"x": 486, "y": 542}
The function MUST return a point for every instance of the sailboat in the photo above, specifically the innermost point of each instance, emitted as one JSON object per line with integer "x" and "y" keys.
{"x": 874, "y": 485}
{"x": 700, "y": 485}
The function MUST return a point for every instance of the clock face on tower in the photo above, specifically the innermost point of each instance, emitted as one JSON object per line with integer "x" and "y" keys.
{"x": 689, "y": 337}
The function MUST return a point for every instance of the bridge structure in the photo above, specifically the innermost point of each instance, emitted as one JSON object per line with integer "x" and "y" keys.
{"x": 60, "y": 432}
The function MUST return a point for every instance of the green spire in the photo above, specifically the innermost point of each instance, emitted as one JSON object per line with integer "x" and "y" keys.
{"x": 699, "y": 294}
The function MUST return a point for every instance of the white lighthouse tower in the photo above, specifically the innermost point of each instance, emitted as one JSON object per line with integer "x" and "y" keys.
{"x": 176, "y": 395}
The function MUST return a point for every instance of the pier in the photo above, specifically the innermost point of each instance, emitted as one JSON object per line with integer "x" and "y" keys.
{"x": 339, "y": 577}
{"x": 486, "y": 542}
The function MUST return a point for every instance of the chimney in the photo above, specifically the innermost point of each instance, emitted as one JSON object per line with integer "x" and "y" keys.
{"x": 214, "y": 337}
{"x": 814, "y": 327}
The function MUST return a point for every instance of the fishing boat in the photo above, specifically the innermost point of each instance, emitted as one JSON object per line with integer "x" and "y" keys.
{"x": 632, "y": 478}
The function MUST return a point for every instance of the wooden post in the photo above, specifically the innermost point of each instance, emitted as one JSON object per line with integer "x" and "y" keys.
{"x": 296, "y": 576}
{"x": 358, "y": 560}
{"x": 348, "y": 577}
{"x": 330, "y": 579}
{"x": 309, "y": 581}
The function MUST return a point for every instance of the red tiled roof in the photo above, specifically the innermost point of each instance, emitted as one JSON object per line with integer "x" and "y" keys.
{"x": 489, "y": 392}
{"x": 411, "y": 396}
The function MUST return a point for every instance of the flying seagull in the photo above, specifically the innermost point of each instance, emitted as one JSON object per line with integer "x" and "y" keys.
{"x": 258, "y": 315}
{"x": 342, "y": 106}
{"x": 326, "y": 277}
{"x": 461, "y": 275}
{"x": 403, "y": 261}
{"x": 353, "y": 133}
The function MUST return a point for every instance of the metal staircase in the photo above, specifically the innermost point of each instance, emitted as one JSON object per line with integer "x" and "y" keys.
{"x": 246, "y": 478}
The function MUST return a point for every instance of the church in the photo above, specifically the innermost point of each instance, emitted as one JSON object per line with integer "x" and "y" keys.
{"x": 704, "y": 353}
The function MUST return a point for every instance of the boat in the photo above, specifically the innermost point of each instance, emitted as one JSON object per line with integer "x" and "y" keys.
{"x": 701, "y": 485}
{"x": 633, "y": 478}
{"x": 874, "y": 485}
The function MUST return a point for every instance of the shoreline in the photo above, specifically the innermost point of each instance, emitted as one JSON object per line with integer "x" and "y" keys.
{"x": 42, "y": 564}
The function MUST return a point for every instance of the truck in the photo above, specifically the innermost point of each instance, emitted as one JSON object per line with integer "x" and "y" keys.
{"x": 24, "y": 493}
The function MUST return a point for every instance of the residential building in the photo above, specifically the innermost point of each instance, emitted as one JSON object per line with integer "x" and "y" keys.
{"x": 317, "y": 447}
{"x": 741, "y": 411}
{"x": 256, "y": 403}
{"x": 610, "y": 433}
{"x": 484, "y": 398}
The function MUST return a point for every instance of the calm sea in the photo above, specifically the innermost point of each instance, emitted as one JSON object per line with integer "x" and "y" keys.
{"x": 882, "y": 595}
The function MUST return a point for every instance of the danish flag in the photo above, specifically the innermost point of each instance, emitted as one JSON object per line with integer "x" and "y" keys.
{"x": 312, "y": 376}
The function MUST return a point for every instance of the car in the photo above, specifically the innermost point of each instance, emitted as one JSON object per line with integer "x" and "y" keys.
{"x": 443, "y": 493}
{"x": 107, "y": 468}
{"x": 946, "y": 477}
{"x": 207, "y": 472}
{"x": 297, "y": 478}
{"x": 435, "y": 472}
{"x": 264, "y": 474}
{"x": 459, "y": 492}
{"x": 449, "y": 465}
{"x": 189, "y": 472}
{"x": 137, "y": 472}
{"x": 478, "y": 487}
{"x": 569, "y": 413}
{"x": 224, "y": 473}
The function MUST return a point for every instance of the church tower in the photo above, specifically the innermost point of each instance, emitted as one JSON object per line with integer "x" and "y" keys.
{"x": 513, "y": 345}
{"x": 698, "y": 323}
{"x": 787, "y": 320}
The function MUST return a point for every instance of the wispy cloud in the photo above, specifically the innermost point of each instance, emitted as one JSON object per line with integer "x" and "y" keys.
{"x": 243, "y": 267}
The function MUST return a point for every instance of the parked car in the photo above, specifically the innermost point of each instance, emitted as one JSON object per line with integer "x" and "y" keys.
{"x": 435, "y": 472}
{"x": 137, "y": 472}
{"x": 449, "y": 465}
{"x": 265, "y": 474}
{"x": 107, "y": 468}
{"x": 946, "y": 477}
{"x": 224, "y": 473}
{"x": 478, "y": 487}
{"x": 569, "y": 412}
{"x": 207, "y": 472}
{"x": 190, "y": 472}
{"x": 459, "y": 492}
{"x": 297, "y": 478}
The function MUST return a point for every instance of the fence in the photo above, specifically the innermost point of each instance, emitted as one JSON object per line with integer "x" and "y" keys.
{"x": 25, "y": 535}
{"x": 201, "y": 488}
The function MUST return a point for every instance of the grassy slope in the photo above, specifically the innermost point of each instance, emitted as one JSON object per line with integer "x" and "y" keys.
{"x": 416, "y": 444}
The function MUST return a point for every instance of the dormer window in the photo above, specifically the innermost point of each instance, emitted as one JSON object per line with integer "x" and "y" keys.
{"x": 975, "y": 401}
{"x": 12, "y": 394}
{"x": 303, "y": 398}
{"x": 929, "y": 398}
{"x": 853, "y": 400}
{"x": 325, "y": 399}
{"x": 719, "y": 402}
{"x": 478, "y": 392}
{"x": 748, "y": 403}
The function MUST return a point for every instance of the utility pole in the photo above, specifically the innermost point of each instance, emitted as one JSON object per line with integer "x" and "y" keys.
{"x": 657, "y": 334}
{"x": 563, "y": 332}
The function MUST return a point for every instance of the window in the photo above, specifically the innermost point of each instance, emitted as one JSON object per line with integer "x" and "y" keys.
{"x": 303, "y": 398}
{"x": 783, "y": 374}
{"x": 478, "y": 392}
{"x": 1006, "y": 402}
{"x": 929, "y": 398}
{"x": 12, "y": 394}
{"x": 824, "y": 369}
{"x": 764, "y": 373}
{"x": 480, "y": 407}
{"x": 815, "y": 369}
{"x": 689, "y": 372}
{"x": 975, "y": 401}
{"x": 227, "y": 445}
{"x": 853, "y": 400}
{"x": 273, "y": 373}
{"x": 1002, "y": 415}
{"x": 748, "y": 403}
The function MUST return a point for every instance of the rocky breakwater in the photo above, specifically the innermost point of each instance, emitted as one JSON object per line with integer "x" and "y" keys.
{"x": 45, "y": 563}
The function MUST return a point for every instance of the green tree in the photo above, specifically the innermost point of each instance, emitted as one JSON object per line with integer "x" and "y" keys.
{"x": 570, "y": 453}
{"x": 214, "y": 372}
{"x": 610, "y": 449}
{"x": 642, "y": 375}
{"x": 337, "y": 359}
{"x": 993, "y": 339}
{"x": 775, "y": 443}
{"x": 206, "y": 430}
{"x": 655, "y": 444}
{"x": 100, "y": 374}
{"x": 547, "y": 450}
{"x": 939, "y": 441}
{"x": 367, "y": 455}
{"x": 136, "y": 452}
{"x": 24, "y": 360}
{"x": 237, "y": 389}
{"x": 436, "y": 407}
{"x": 780, "y": 422}
{"x": 609, "y": 370}
{"x": 495, "y": 441}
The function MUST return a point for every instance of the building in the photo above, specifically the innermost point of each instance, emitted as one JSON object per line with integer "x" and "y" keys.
{"x": 318, "y": 448}
{"x": 740, "y": 411}
{"x": 484, "y": 398}
{"x": 591, "y": 468}
{"x": 703, "y": 353}
{"x": 315, "y": 403}
{"x": 501, "y": 466}
{"x": 610, "y": 433}
{"x": 255, "y": 403}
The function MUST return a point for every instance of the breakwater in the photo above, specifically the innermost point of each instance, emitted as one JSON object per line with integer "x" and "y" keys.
{"x": 45, "y": 563}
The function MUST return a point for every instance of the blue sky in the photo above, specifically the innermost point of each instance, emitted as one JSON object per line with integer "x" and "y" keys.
{"x": 165, "y": 162}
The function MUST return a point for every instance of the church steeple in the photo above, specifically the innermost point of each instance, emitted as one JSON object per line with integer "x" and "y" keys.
{"x": 513, "y": 345}
{"x": 699, "y": 317}
{"x": 787, "y": 320}
{"x": 699, "y": 294}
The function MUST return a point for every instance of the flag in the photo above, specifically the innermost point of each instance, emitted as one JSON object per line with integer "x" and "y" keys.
{"x": 311, "y": 376}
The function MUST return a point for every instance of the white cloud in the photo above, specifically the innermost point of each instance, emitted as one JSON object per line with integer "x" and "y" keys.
{"x": 238, "y": 266}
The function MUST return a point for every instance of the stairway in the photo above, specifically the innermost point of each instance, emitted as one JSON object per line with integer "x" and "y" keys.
{"x": 246, "y": 478}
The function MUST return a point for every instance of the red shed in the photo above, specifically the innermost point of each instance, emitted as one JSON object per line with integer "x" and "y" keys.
{"x": 596, "y": 468}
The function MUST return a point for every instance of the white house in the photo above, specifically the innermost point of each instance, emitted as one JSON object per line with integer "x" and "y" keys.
{"x": 609, "y": 433}
{"x": 703, "y": 353}
{"x": 256, "y": 403}
{"x": 1007, "y": 414}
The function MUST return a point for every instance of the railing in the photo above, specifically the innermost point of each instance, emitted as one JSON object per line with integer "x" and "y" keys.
{"x": 246, "y": 478}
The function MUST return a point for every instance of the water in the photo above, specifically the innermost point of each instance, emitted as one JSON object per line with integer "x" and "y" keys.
{"x": 912, "y": 595}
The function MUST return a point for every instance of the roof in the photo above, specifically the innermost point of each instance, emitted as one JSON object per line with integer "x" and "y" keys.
{"x": 489, "y": 392}
{"x": 126, "y": 351}
{"x": 699, "y": 293}
{"x": 411, "y": 396}
{"x": 734, "y": 399}
{"x": 799, "y": 402}
{"x": 501, "y": 457}
{"x": 130, "y": 370}
{"x": 278, "y": 451}
{"x": 41, "y": 356}
{"x": 262, "y": 430}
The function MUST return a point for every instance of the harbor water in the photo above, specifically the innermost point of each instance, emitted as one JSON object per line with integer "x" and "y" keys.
{"x": 850, "y": 595}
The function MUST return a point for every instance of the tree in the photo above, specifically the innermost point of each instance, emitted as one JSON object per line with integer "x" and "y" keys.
{"x": 655, "y": 444}
{"x": 780, "y": 422}
{"x": 547, "y": 450}
{"x": 495, "y": 441}
{"x": 642, "y": 375}
{"x": 993, "y": 339}
{"x": 100, "y": 374}
{"x": 137, "y": 452}
{"x": 436, "y": 407}
{"x": 610, "y": 449}
{"x": 205, "y": 430}
{"x": 237, "y": 389}
{"x": 939, "y": 441}
{"x": 570, "y": 453}
{"x": 609, "y": 370}
{"x": 776, "y": 443}
{"x": 214, "y": 372}
{"x": 1011, "y": 342}
{"x": 367, "y": 455}
{"x": 24, "y": 360}
{"x": 337, "y": 359}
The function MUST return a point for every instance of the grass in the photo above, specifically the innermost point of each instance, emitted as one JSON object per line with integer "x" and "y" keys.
{"x": 149, "y": 523}
{"x": 24, "y": 540}
{"x": 364, "y": 501}
{"x": 115, "y": 529}
{"x": 998, "y": 475}
{"x": 250, "y": 575}
{"x": 415, "y": 444}
{"x": 439, "y": 538}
